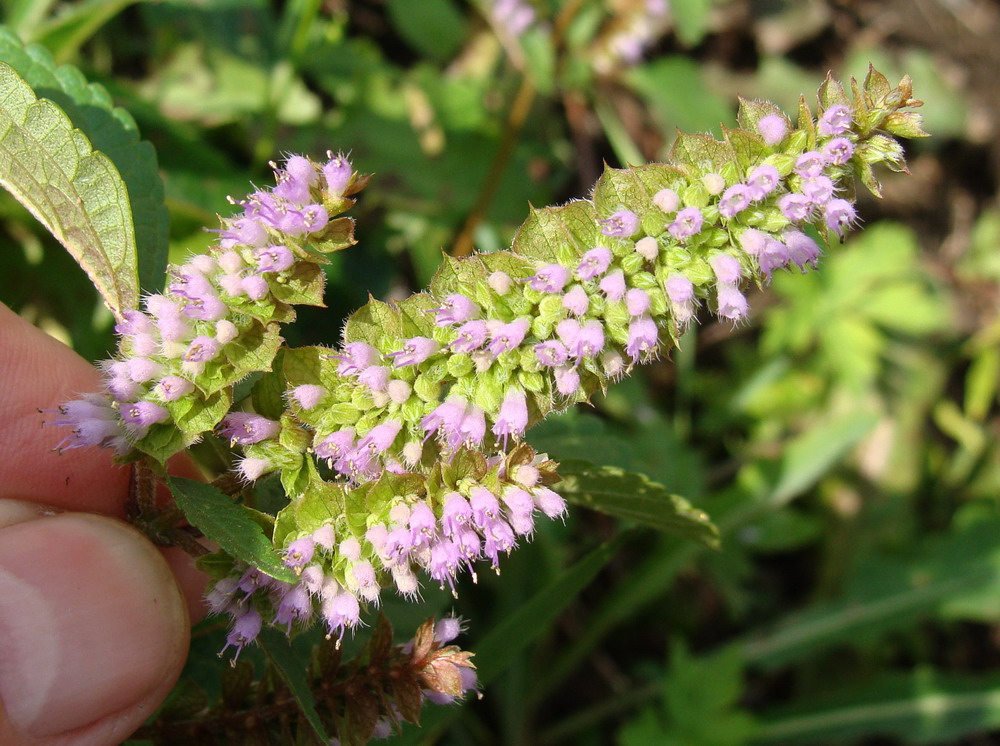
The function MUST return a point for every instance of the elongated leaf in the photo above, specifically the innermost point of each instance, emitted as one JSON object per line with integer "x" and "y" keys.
{"x": 112, "y": 131}
{"x": 811, "y": 455}
{"x": 226, "y": 523}
{"x": 75, "y": 192}
{"x": 634, "y": 497}
{"x": 923, "y": 708}
{"x": 293, "y": 665}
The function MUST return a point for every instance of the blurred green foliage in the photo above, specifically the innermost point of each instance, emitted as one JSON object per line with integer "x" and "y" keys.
{"x": 844, "y": 441}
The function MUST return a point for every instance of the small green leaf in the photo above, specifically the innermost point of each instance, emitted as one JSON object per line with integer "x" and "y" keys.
{"x": 293, "y": 665}
{"x": 634, "y": 497}
{"x": 226, "y": 523}
{"x": 75, "y": 192}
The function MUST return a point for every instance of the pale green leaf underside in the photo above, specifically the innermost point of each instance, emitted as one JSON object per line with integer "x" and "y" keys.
{"x": 75, "y": 192}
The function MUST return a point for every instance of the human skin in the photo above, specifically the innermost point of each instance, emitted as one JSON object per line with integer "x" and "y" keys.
{"x": 94, "y": 619}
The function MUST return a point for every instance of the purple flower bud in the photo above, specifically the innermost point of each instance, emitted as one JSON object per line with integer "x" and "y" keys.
{"x": 379, "y": 438}
{"x": 772, "y": 128}
{"x": 172, "y": 388}
{"x": 355, "y": 357}
{"x": 835, "y": 121}
{"x": 422, "y": 524}
{"x": 122, "y": 389}
{"x": 202, "y": 349}
{"x": 243, "y": 232}
{"x": 337, "y": 173}
{"x": 446, "y": 419}
{"x": 714, "y": 183}
{"x": 642, "y": 338}
{"x": 295, "y": 606}
{"x": 255, "y": 287}
{"x": 473, "y": 426}
{"x": 206, "y": 308}
{"x": 687, "y": 223}
{"x": 325, "y": 537}
{"x": 455, "y": 514}
{"x": 310, "y": 219}
{"x": 734, "y": 200}
{"x": 589, "y": 342}
{"x": 621, "y": 224}
{"x": 415, "y": 351}
{"x": 732, "y": 303}
{"x": 551, "y": 278}
{"x": 447, "y": 629}
{"x": 637, "y": 302}
{"x": 576, "y": 301}
{"x": 679, "y": 288}
{"x": 818, "y": 190}
{"x": 667, "y": 200}
{"x": 470, "y": 336}
{"x": 795, "y": 207}
{"x": 444, "y": 561}
{"x": 341, "y": 612}
{"x": 134, "y": 322}
{"x": 141, "y": 369}
{"x": 144, "y": 345}
{"x": 308, "y": 395}
{"x": 246, "y": 428}
{"x": 455, "y": 309}
{"x": 613, "y": 285}
{"x": 551, "y": 353}
{"x": 594, "y": 263}
{"x": 513, "y": 417}
{"x": 727, "y": 268}
{"x": 142, "y": 414}
{"x": 567, "y": 380}
{"x": 773, "y": 256}
{"x": 252, "y": 469}
{"x": 375, "y": 377}
{"x": 335, "y": 445}
{"x": 752, "y": 241}
{"x": 508, "y": 336}
{"x": 810, "y": 164}
{"x": 838, "y": 151}
{"x": 274, "y": 259}
{"x": 233, "y": 285}
{"x": 801, "y": 249}
{"x": 763, "y": 180}
{"x": 549, "y": 502}
{"x": 499, "y": 538}
{"x": 485, "y": 507}
{"x": 839, "y": 214}
{"x": 244, "y": 631}
{"x": 300, "y": 552}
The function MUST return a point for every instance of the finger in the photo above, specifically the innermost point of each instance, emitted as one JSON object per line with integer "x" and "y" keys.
{"x": 93, "y": 628}
{"x": 40, "y": 372}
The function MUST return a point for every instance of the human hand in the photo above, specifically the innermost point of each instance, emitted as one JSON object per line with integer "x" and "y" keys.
{"x": 94, "y": 619}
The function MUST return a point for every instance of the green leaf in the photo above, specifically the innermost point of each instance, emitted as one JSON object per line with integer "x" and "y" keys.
{"x": 293, "y": 665}
{"x": 812, "y": 454}
{"x": 75, "y": 192}
{"x": 229, "y": 525}
{"x": 634, "y": 497}
{"x": 925, "y": 707}
{"x": 558, "y": 234}
{"x": 112, "y": 131}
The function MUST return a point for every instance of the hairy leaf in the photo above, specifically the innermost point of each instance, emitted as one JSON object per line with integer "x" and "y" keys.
{"x": 75, "y": 192}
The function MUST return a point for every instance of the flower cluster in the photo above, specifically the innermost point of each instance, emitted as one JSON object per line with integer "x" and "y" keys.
{"x": 401, "y": 450}
{"x": 217, "y": 319}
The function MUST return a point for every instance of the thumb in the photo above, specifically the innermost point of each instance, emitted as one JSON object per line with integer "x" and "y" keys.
{"x": 93, "y": 629}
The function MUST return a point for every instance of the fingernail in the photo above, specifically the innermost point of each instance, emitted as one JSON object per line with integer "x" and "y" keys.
{"x": 91, "y": 621}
